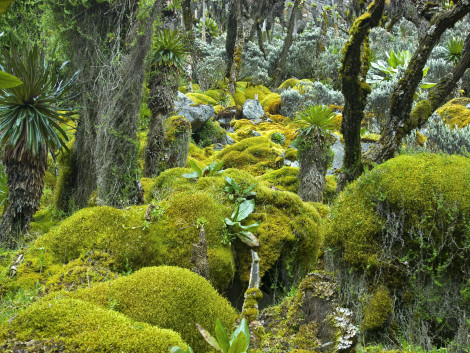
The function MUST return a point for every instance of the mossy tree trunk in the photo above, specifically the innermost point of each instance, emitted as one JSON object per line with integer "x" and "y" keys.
{"x": 25, "y": 184}
{"x": 117, "y": 170}
{"x": 314, "y": 159}
{"x": 187, "y": 15}
{"x": 400, "y": 121}
{"x": 237, "y": 47}
{"x": 278, "y": 73}
{"x": 353, "y": 71}
{"x": 163, "y": 86}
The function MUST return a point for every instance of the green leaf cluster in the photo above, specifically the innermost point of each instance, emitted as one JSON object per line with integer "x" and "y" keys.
{"x": 170, "y": 49}
{"x": 210, "y": 170}
{"x": 31, "y": 113}
{"x": 243, "y": 232}
{"x": 317, "y": 119}
{"x": 454, "y": 49}
{"x": 238, "y": 342}
{"x": 236, "y": 192}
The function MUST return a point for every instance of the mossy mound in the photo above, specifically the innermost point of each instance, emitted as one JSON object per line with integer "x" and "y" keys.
{"x": 403, "y": 228}
{"x": 288, "y": 233}
{"x": 78, "y": 326}
{"x": 289, "y": 83}
{"x": 260, "y": 91}
{"x": 209, "y": 133}
{"x": 167, "y": 297}
{"x": 239, "y": 97}
{"x": 455, "y": 112}
{"x": 285, "y": 178}
{"x": 244, "y": 129}
{"x": 199, "y": 98}
{"x": 256, "y": 155}
{"x": 268, "y": 99}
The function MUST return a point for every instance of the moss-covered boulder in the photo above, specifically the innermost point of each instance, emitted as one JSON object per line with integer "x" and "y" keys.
{"x": 455, "y": 112}
{"x": 167, "y": 297}
{"x": 79, "y": 326}
{"x": 399, "y": 236}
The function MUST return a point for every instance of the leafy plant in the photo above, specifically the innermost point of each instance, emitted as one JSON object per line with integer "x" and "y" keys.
{"x": 170, "y": 49}
{"x": 278, "y": 138}
{"x": 238, "y": 342}
{"x": 223, "y": 99}
{"x": 454, "y": 49}
{"x": 238, "y": 192}
{"x": 210, "y": 170}
{"x": 211, "y": 27}
{"x": 3, "y": 188}
{"x": 316, "y": 119}
{"x": 243, "y": 232}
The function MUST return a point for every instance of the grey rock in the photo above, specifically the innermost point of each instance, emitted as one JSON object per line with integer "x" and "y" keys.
{"x": 252, "y": 109}
{"x": 182, "y": 101}
{"x": 255, "y": 133}
{"x": 467, "y": 106}
{"x": 197, "y": 116}
{"x": 269, "y": 120}
{"x": 228, "y": 140}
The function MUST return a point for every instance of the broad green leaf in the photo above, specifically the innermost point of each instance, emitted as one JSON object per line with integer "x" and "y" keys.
{"x": 238, "y": 345}
{"x": 216, "y": 168}
{"x": 244, "y": 210}
{"x": 246, "y": 331}
{"x": 208, "y": 337}
{"x": 427, "y": 85}
{"x": 8, "y": 81}
{"x": 222, "y": 336}
{"x": 248, "y": 238}
{"x": 425, "y": 71}
{"x": 195, "y": 167}
{"x": 393, "y": 60}
{"x": 191, "y": 175}
{"x": 229, "y": 222}
{"x": 251, "y": 227}
{"x": 4, "y": 5}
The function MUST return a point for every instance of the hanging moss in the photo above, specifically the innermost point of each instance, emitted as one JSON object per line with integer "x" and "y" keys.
{"x": 377, "y": 310}
{"x": 79, "y": 326}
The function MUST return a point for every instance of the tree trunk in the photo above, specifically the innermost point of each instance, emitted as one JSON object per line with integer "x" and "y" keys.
{"x": 399, "y": 121}
{"x": 237, "y": 50}
{"x": 355, "y": 64}
{"x": 163, "y": 86}
{"x": 25, "y": 185}
{"x": 187, "y": 15}
{"x": 231, "y": 35}
{"x": 314, "y": 160}
{"x": 278, "y": 73}
{"x": 116, "y": 151}
{"x": 203, "y": 21}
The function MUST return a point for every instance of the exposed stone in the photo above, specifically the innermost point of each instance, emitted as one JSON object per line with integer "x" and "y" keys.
{"x": 252, "y": 109}
{"x": 255, "y": 133}
{"x": 196, "y": 114}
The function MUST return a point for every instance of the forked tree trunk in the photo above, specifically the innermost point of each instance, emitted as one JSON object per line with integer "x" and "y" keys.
{"x": 400, "y": 121}
{"x": 25, "y": 185}
{"x": 355, "y": 64}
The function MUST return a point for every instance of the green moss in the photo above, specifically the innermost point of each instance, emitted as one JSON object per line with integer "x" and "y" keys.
{"x": 291, "y": 154}
{"x": 378, "y": 309}
{"x": 83, "y": 327}
{"x": 455, "y": 112}
{"x": 289, "y": 83}
{"x": 239, "y": 97}
{"x": 63, "y": 188}
{"x": 419, "y": 115}
{"x": 285, "y": 178}
{"x": 268, "y": 99}
{"x": 199, "y": 98}
{"x": 252, "y": 92}
{"x": 167, "y": 297}
{"x": 147, "y": 185}
{"x": 209, "y": 133}
{"x": 329, "y": 193}
{"x": 175, "y": 126}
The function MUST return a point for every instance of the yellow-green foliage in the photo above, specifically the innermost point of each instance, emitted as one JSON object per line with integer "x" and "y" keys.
{"x": 274, "y": 107}
{"x": 65, "y": 160}
{"x": 268, "y": 99}
{"x": 239, "y": 97}
{"x": 288, "y": 229}
{"x": 377, "y": 310}
{"x": 420, "y": 185}
{"x": 289, "y": 83}
{"x": 197, "y": 153}
{"x": 255, "y": 154}
{"x": 455, "y": 112}
{"x": 147, "y": 185}
{"x": 261, "y": 91}
{"x": 285, "y": 178}
{"x": 199, "y": 98}
{"x": 107, "y": 229}
{"x": 182, "y": 89}
{"x": 167, "y": 297}
{"x": 244, "y": 128}
{"x": 216, "y": 95}
{"x": 84, "y": 327}
{"x": 218, "y": 108}
{"x": 174, "y": 126}
{"x": 291, "y": 154}
{"x": 329, "y": 193}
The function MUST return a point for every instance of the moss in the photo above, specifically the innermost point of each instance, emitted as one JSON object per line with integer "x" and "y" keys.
{"x": 147, "y": 186}
{"x": 63, "y": 188}
{"x": 271, "y": 97}
{"x": 274, "y": 107}
{"x": 167, "y": 297}
{"x": 209, "y": 133}
{"x": 218, "y": 108}
{"x": 455, "y": 112}
{"x": 182, "y": 89}
{"x": 260, "y": 91}
{"x": 197, "y": 153}
{"x": 329, "y": 193}
{"x": 419, "y": 115}
{"x": 291, "y": 154}
{"x": 199, "y": 98}
{"x": 377, "y": 310}
{"x": 239, "y": 97}
{"x": 83, "y": 327}
{"x": 285, "y": 178}
{"x": 289, "y": 83}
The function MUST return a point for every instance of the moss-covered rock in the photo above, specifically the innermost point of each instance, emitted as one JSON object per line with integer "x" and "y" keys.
{"x": 199, "y": 98}
{"x": 403, "y": 227}
{"x": 167, "y": 297}
{"x": 285, "y": 178}
{"x": 78, "y": 326}
{"x": 455, "y": 112}
{"x": 289, "y": 83}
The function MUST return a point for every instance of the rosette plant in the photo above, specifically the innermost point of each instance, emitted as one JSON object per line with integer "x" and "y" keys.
{"x": 31, "y": 118}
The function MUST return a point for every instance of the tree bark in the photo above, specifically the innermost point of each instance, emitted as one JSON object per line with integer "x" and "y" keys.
{"x": 116, "y": 150}
{"x": 25, "y": 185}
{"x": 277, "y": 78}
{"x": 400, "y": 121}
{"x": 355, "y": 64}
{"x": 237, "y": 50}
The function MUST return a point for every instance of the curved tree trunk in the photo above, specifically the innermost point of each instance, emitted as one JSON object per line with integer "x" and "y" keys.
{"x": 400, "y": 121}
{"x": 163, "y": 86}
{"x": 314, "y": 160}
{"x": 25, "y": 185}
{"x": 355, "y": 64}
{"x": 278, "y": 73}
